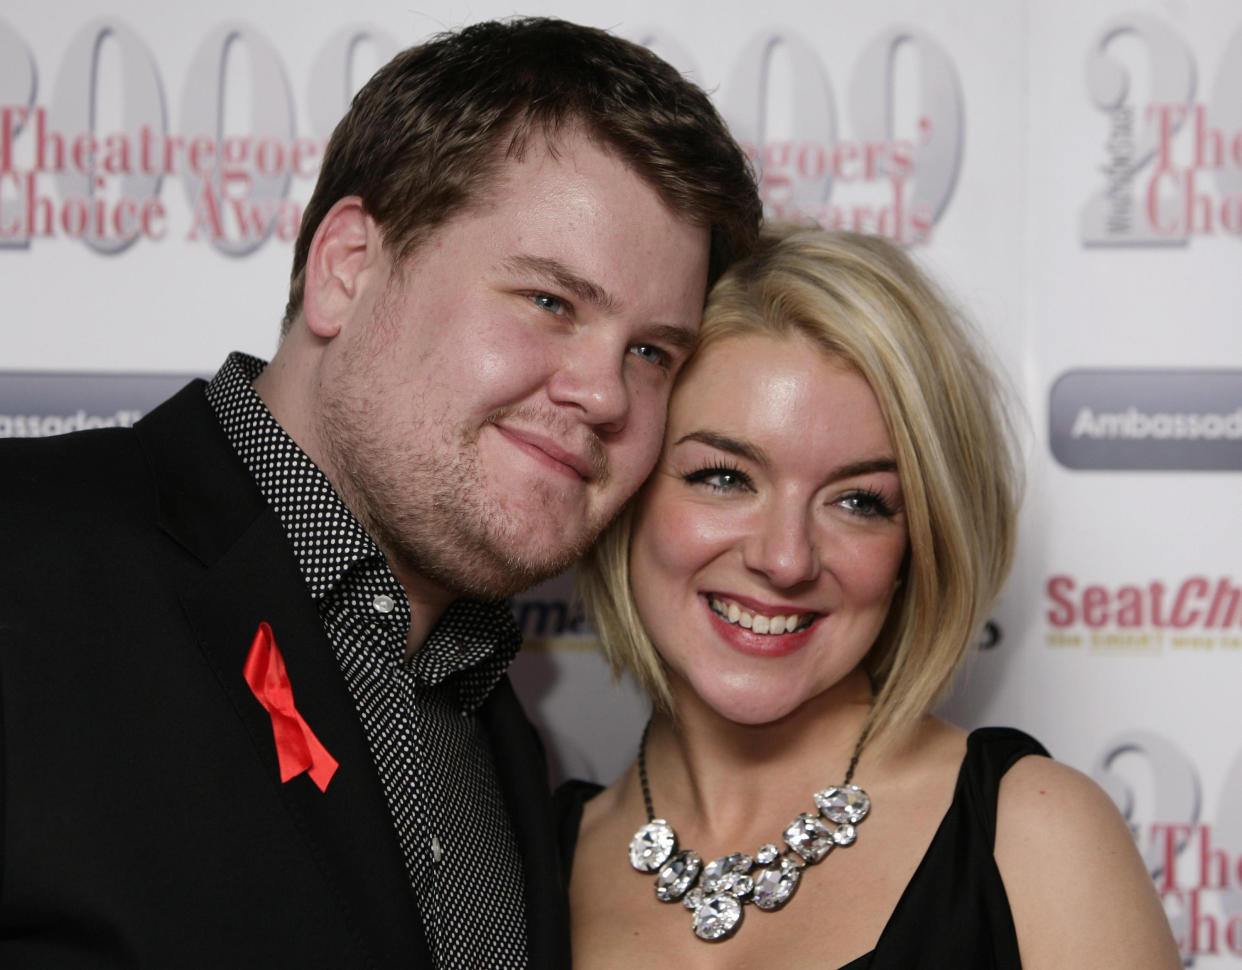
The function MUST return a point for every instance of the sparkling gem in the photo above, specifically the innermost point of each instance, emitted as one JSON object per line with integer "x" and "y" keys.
{"x": 775, "y": 884}
{"x": 846, "y": 803}
{"x": 767, "y": 854}
{"x": 693, "y": 899}
{"x": 808, "y": 836}
{"x": 721, "y": 874}
{"x": 717, "y": 918}
{"x": 742, "y": 886}
{"x": 676, "y": 875}
{"x": 845, "y": 834}
{"x": 652, "y": 845}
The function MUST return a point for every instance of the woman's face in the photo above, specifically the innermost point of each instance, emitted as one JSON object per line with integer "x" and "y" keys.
{"x": 768, "y": 542}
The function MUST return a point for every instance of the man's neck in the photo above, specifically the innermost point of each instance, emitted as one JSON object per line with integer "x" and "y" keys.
{"x": 427, "y": 604}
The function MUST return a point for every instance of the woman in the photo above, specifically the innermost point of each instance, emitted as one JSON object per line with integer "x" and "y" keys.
{"x": 829, "y": 524}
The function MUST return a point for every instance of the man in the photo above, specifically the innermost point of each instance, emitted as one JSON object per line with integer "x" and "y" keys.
{"x": 252, "y": 651}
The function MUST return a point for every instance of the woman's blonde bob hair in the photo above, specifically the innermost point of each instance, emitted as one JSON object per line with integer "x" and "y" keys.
{"x": 863, "y": 301}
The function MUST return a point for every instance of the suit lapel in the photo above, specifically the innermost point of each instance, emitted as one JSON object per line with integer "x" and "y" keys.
{"x": 210, "y": 505}
{"x": 522, "y": 771}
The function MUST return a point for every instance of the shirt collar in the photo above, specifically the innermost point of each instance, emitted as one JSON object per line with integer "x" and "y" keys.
{"x": 297, "y": 490}
{"x": 476, "y": 639}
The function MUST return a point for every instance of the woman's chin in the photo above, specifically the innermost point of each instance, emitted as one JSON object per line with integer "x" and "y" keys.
{"x": 752, "y": 705}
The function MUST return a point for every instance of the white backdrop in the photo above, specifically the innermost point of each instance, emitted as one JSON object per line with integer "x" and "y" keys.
{"x": 1071, "y": 170}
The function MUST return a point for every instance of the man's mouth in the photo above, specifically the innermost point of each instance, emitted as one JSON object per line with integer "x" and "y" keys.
{"x": 771, "y": 625}
{"x": 585, "y": 465}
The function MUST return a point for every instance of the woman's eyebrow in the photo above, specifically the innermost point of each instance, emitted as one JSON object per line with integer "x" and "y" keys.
{"x": 752, "y": 452}
{"x": 713, "y": 439}
{"x": 866, "y": 467}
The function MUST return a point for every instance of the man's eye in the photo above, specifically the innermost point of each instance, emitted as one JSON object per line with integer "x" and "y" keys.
{"x": 651, "y": 354}
{"x": 550, "y": 303}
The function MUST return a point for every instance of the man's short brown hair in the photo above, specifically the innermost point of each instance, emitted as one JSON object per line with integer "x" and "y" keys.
{"x": 423, "y": 136}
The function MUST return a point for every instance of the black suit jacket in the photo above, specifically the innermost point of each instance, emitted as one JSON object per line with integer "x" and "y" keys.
{"x": 142, "y": 819}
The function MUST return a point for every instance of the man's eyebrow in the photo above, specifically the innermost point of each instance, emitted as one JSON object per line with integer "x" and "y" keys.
{"x": 566, "y": 279}
{"x": 682, "y": 338}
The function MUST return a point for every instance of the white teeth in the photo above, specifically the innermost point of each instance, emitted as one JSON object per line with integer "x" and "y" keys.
{"x": 771, "y": 625}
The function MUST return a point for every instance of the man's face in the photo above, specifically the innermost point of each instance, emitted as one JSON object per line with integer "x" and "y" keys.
{"x": 488, "y": 411}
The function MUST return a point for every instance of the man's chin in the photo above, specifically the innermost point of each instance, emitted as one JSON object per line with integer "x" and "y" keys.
{"x": 496, "y": 567}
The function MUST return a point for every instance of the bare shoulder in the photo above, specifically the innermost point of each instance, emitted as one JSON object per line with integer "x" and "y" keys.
{"x": 1079, "y": 892}
{"x": 1037, "y": 789}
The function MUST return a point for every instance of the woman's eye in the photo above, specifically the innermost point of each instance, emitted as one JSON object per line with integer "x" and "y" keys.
{"x": 720, "y": 479}
{"x": 867, "y": 504}
{"x": 651, "y": 354}
{"x": 550, "y": 303}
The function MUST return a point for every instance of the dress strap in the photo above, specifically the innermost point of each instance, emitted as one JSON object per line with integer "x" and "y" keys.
{"x": 990, "y": 752}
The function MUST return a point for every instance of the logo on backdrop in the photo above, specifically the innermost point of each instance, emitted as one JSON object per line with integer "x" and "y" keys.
{"x": 551, "y": 615}
{"x": 35, "y": 405}
{"x": 1170, "y": 165}
{"x": 1192, "y": 614}
{"x": 65, "y": 173}
{"x": 889, "y": 176}
{"x": 1196, "y": 861}
{"x": 1140, "y": 420}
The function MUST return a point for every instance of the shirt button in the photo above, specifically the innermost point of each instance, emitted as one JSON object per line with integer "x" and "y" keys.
{"x": 436, "y": 851}
{"x": 383, "y": 603}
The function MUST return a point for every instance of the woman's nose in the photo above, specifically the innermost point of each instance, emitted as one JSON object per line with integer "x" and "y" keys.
{"x": 783, "y": 547}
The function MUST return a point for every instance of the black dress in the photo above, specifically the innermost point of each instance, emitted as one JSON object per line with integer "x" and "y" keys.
{"x": 954, "y": 911}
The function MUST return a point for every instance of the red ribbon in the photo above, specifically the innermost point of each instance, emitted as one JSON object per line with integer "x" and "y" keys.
{"x": 297, "y": 748}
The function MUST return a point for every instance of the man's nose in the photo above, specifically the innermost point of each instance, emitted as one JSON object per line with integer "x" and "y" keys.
{"x": 591, "y": 377}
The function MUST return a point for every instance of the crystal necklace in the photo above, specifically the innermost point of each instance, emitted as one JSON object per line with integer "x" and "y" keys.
{"x": 715, "y": 893}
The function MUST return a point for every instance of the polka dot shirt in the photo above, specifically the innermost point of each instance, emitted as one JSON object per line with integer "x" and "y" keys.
{"x": 418, "y": 714}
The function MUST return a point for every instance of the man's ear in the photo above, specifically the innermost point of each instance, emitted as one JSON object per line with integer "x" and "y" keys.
{"x": 346, "y": 251}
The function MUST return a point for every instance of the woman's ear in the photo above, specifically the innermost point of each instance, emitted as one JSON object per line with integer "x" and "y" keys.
{"x": 344, "y": 252}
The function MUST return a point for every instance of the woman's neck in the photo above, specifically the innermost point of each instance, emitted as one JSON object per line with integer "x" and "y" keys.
{"x": 722, "y": 784}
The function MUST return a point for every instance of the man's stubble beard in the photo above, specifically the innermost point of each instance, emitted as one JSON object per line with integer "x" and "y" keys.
{"x": 419, "y": 495}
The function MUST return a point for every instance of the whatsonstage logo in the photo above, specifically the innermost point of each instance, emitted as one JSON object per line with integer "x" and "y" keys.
{"x": 551, "y": 616}
{"x": 1195, "y": 614}
{"x": 1170, "y": 166}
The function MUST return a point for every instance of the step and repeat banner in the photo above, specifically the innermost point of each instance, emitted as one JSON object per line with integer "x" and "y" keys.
{"x": 1071, "y": 171}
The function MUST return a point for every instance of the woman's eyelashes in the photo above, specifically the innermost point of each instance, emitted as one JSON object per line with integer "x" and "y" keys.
{"x": 720, "y": 477}
{"x": 725, "y": 477}
{"x": 867, "y": 503}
